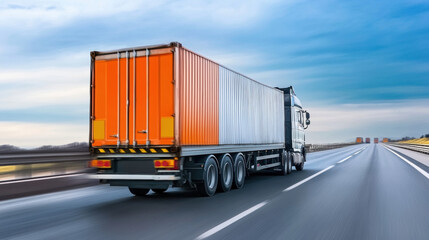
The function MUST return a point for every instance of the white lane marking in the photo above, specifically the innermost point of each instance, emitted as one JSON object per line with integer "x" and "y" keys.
{"x": 327, "y": 155}
{"x": 307, "y": 179}
{"x": 411, "y": 164}
{"x": 41, "y": 178}
{"x": 317, "y": 174}
{"x": 351, "y": 155}
{"x": 344, "y": 159}
{"x": 231, "y": 221}
{"x": 256, "y": 207}
{"x": 360, "y": 150}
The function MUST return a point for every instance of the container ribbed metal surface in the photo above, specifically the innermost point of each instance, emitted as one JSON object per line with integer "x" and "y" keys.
{"x": 199, "y": 103}
{"x": 249, "y": 112}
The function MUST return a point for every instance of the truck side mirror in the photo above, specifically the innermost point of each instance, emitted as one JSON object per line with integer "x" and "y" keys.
{"x": 307, "y": 115}
{"x": 307, "y": 122}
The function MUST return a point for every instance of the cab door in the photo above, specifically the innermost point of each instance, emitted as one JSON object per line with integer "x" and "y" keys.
{"x": 298, "y": 136}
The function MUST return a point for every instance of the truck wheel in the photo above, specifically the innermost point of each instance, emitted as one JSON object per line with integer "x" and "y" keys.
{"x": 289, "y": 163}
{"x": 138, "y": 191}
{"x": 159, "y": 190}
{"x": 239, "y": 171}
{"x": 300, "y": 166}
{"x": 286, "y": 163}
{"x": 226, "y": 173}
{"x": 210, "y": 178}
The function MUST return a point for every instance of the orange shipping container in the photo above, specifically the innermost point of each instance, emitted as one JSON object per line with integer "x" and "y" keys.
{"x": 167, "y": 95}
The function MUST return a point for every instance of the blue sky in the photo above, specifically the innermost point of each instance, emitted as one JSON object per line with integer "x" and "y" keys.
{"x": 360, "y": 67}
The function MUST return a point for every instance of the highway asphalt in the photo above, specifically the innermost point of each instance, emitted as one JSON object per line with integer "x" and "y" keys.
{"x": 357, "y": 192}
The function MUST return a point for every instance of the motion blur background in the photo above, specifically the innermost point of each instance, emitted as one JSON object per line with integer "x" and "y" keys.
{"x": 360, "y": 67}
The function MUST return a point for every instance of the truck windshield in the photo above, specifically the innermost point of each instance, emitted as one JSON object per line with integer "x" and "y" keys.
{"x": 296, "y": 101}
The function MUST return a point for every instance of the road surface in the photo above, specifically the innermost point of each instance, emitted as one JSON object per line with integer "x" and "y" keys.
{"x": 358, "y": 192}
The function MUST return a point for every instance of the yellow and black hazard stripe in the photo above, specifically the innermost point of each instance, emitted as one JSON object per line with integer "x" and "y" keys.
{"x": 132, "y": 150}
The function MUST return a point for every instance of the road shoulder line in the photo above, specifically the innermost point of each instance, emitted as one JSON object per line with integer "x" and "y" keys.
{"x": 423, "y": 172}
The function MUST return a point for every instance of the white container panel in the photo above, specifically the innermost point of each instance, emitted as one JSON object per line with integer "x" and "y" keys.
{"x": 249, "y": 112}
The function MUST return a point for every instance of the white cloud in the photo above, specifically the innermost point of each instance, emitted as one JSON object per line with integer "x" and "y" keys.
{"x": 44, "y": 14}
{"x": 31, "y": 88}
{"x": 223, "y": 12}
{"x": 44, "y": 75}
{"x": 395, "y": 119}
{"x": 31, "y": 135}
{"x": 287, "y": 77}
{"x": 236, "y": 60}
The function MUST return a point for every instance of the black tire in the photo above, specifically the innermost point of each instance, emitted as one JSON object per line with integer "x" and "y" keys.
{"x": 239, "y": 171}
{"x": 289, "y": 163}
{"x": 210, "y": 178}
{"x": 300, "y": 166}
{"x": 159, "y": 190}
{"x": 286, "y": 163}
{"x": 139, "y": 191}
{"x": 226, "y": 173}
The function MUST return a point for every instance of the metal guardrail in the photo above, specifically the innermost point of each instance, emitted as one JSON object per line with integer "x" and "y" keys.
{"x": 322, "y": 147}
{"x": 27, "y": 158}
{"x": 19, "y": 166}
{"x": 410, "y": 146}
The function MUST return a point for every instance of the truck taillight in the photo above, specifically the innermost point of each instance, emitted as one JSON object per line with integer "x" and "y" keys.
{"x": 166, "y": 163}
{"x": 101, "y": 163}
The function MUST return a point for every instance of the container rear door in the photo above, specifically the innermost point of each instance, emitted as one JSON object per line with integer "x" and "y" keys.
{"x": 130, "y": 105}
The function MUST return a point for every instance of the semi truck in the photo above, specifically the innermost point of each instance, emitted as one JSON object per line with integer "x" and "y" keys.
{"x": 375, "y": 140}
{"x": 368, "y": 140}
{"x": 359, "y": 140}
{"x": 164, "y": 116}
